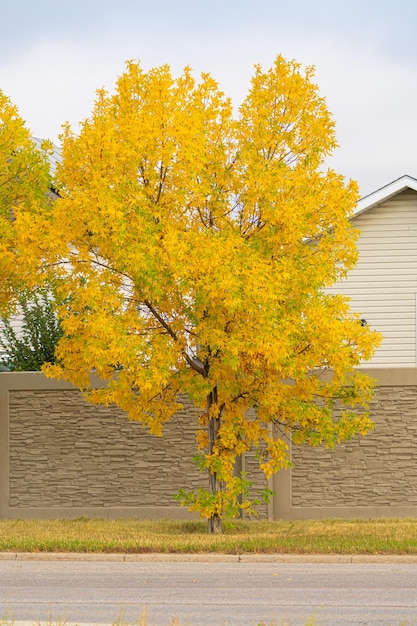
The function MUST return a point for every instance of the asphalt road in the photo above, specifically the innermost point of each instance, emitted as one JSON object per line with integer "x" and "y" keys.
{"x": 208, "y": 593}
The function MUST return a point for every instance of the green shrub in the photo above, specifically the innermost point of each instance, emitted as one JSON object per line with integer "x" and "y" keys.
{"x": 28, "y": 348}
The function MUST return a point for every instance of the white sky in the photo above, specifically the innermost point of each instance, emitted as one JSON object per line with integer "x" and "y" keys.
{"x": 54, "y": 54}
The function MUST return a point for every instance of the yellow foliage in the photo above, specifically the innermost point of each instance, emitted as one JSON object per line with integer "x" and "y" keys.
{"x": 191, "y": 249}
{"x": 24, "y": 187}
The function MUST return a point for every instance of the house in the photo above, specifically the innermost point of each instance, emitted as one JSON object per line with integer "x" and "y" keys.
{"x": 383, "y": 286}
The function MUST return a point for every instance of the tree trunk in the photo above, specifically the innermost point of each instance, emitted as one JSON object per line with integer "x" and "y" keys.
{"x": 215, "y": 521}
{"x": 215, "y": 525}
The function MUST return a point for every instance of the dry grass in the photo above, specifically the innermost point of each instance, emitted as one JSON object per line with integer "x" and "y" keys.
{"x": 143, "y": 620}
{"x": 383, "y": 536}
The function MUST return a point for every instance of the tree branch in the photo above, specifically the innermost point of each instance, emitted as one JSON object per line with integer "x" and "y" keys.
{"x": 195, "y": 363}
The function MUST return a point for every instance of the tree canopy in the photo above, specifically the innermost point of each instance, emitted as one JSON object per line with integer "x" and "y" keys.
{"x": 192, "y": 248}
{"x": 24, "y": 187}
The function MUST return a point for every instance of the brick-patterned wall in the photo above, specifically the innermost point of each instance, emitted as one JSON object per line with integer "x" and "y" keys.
{"x": 66, "y": 453}
{"x": 250, "y": 465}
{"x": 60, "y": 456}
{"x": 377, "y": 470}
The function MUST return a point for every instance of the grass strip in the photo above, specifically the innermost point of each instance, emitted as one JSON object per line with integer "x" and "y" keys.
{"x": 381, "y": 536}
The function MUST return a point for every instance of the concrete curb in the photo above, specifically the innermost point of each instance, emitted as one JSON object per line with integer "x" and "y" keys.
{"x": 209, "y": 558}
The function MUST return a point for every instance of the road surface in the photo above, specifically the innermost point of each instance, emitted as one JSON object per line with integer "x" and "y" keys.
{"x": 209, "y": 593}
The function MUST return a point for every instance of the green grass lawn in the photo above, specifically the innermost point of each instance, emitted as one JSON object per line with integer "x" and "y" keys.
{"x": 382, "y": 536}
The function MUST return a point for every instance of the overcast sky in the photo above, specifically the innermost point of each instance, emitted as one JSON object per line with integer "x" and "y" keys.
{"x": 54, "y": 54}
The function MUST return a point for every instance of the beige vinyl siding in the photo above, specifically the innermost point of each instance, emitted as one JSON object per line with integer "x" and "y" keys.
{"x": 383, "y": 286}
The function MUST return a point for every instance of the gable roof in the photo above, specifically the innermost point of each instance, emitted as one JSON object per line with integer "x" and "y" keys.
{"x": 54, "y": 156}
{"x": 385, "y": 193}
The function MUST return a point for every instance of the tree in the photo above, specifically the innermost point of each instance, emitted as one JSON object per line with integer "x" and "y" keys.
{"x": 192, "y": 249}
{"x": 24, "y": 187}
{"x": 39, "y": 334}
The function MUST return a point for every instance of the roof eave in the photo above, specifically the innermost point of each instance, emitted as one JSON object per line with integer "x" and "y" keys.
{"x": 385, "y": 193}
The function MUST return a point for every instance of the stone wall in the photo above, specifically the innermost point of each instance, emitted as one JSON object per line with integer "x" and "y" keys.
{"x": 368, "y": 476}
{"x": 377, "y": 470}
{"x": 62, "y": 457}
{"x": 66, "y": 453}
